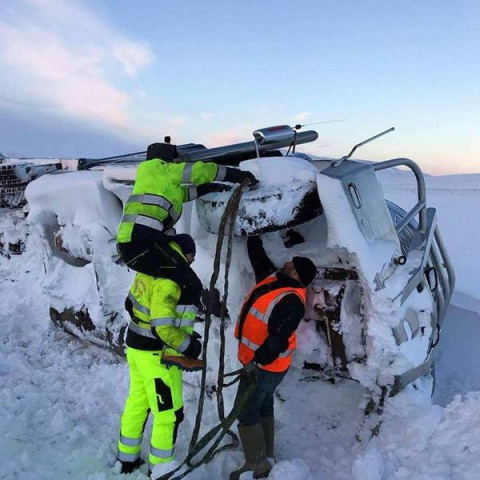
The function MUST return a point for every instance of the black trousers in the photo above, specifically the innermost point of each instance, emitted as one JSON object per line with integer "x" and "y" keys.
{"x": 157, "y": 259}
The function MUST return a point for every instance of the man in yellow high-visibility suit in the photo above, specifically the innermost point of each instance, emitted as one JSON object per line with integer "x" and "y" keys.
{"x": 161, "y": 325}
{"x": 155, "y": 206}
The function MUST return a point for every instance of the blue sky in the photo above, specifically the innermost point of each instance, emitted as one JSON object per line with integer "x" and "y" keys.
{"x": 100, "y": 77}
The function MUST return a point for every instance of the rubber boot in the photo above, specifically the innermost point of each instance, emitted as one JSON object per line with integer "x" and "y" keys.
{"x": 130, "y": 467}
{"x": 268, "y": 425}
{"x": 253, "y": 443}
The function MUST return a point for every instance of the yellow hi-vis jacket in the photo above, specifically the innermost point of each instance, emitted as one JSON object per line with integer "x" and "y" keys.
{"x": 160, "y": 320}
{"x": 159, "y": 193}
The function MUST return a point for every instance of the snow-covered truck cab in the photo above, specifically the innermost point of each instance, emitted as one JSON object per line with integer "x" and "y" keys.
{"x": 384, "y": 280}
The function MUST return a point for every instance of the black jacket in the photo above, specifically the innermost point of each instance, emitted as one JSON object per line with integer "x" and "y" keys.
{"x": 286, "y": 314}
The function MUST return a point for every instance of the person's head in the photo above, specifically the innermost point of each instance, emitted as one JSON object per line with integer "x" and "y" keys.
{"x": 187, "y": 245}
{"x": 164, "y": 151}
{"x": 301, "y": 269}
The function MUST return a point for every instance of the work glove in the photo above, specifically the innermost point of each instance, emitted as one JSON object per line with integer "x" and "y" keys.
{"x": 235, "y": 175}
{"x": 249, "y": 371}
{"x": 252, "y": 181}
{"x": 196, "y": 335}
{"x": 210, "y": 302}
{"x": 291, "y": 238}
{"x": 194, "y": 348}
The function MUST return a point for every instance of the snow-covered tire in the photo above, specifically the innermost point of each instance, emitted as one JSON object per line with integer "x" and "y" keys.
{"x": 266, "y": 209}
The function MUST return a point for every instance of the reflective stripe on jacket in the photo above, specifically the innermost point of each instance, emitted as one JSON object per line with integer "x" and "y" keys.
{"x": 255, "y": 327}
{"x": 158, "y": 194}
{"x": 158, "y": 316}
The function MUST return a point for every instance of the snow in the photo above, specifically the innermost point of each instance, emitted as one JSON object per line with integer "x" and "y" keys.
{"x": 67, "y": 163}
{"x": 56, "y": 198}
{"x": 426, "y": 442}
{"x": 61, "y": 398}
{"x": 267, "y": 170}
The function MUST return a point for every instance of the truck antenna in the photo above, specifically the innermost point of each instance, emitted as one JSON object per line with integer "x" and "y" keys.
{"x": 299, "y": 126}
{"x": 338, "y": 162}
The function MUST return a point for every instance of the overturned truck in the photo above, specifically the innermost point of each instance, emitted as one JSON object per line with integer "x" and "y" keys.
{"x": 384, "y": 277}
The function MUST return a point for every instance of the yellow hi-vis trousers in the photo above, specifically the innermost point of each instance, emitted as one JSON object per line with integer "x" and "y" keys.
{"x": 157, "y": 389}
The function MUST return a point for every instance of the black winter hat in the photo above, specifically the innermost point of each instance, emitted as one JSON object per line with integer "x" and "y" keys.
{"x": 306, "y": 270}
{"x": 164, "y": 151}
{"x": 186, "y": 243}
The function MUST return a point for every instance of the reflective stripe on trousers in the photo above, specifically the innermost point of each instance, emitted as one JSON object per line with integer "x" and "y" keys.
{"x": 155, "y": 388}
{"x": 158, "y": 455}
{"x": 130, "y": 442}
{"x": 128, "y": 457}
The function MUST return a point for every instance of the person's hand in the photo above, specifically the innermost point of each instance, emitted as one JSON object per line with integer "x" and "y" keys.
{"x": 252, "y": 180}
{"x": 203, "y": 301}
{"x": 211, "y": 302}
{"x": 194, "y": 348}
{"x": 250, "y": 371}
{"x": 291, "y": 238}
{"x": 235, "y": 175}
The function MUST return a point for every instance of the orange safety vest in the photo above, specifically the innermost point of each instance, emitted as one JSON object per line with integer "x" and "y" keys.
{"x": 255, "y": 326}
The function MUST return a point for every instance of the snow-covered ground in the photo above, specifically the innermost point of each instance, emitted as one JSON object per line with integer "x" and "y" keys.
{"x": 61, "y": 398}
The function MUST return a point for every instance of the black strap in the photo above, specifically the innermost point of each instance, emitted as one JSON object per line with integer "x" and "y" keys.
{"x": 230, "y": 212}
{"x": 229, "y": 215}
{"x": 221, "y": 430}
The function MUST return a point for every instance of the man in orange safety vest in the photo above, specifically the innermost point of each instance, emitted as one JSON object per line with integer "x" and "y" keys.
{"x": 266, "y": 337}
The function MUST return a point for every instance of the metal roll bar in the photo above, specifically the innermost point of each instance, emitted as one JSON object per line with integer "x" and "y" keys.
{"x": 427, "y": 239}
{"x": 421, "y": 206}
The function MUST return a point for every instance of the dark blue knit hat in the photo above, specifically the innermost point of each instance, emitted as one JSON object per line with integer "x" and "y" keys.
{"x": 164, "y": 151}
{"x": 186, "y": 243}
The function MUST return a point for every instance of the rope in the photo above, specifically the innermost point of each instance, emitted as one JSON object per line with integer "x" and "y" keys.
{"x": 221, "y": 363}
{"x": 221, "y": 429}
{"x": 229, "y": 214}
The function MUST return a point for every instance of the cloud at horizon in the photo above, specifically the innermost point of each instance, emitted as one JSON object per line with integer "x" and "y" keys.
{"x": 60, "y": 57}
